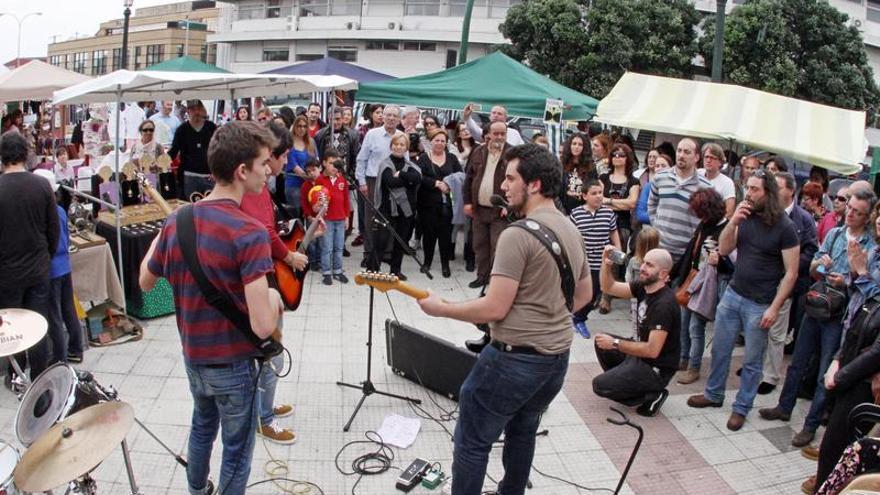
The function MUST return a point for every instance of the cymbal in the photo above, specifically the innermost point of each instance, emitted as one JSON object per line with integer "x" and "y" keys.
{"x": 73, "y": 447}
{"x": 20, "y": 329}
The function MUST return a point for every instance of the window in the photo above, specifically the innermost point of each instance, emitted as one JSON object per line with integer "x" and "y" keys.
{"x": 457, "y": 7}
{"x": 419, "y": 46}
{"x": 309, "y": 8}
{"x": 498, "y": 8}
{"x": 308, "y": 57}
{"x": 155, "y": 54}
{"x": 275, "y": 52}
{"x": 56, "y": 60}
{"x": 346, "y": 7}
{"x": 344, "y": 53}
{"x": 79, "y": 62}
{"x": 873, "y": 10}
{"x": 117, "y": 58}
{"x": 422, "y": 7}
{"x": 99, "y": 62}
{"x": 383, "y": 45}
{"x": 251, "y": 12}
{"x": 179, "y": 50}
{"x": 273, "y": 9}
{"x": 137, "y": 58}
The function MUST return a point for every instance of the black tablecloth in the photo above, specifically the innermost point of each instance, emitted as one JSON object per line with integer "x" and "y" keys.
{"x": 136, "y": 241}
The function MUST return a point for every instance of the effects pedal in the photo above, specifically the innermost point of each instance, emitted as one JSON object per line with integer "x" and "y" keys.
{"x": 433, "y": 478}
{"x": 412, "y": 475}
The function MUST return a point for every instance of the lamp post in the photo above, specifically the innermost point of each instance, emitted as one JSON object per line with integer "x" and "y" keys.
{"x": 186, "y": 39}
{"x": 19, "y": 21}
{"x": 718, "y": 52}
{"x": 125, "y": 16}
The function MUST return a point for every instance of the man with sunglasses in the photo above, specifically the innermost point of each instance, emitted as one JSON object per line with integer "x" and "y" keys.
{"x": 823, "y": 337}
{"x": 766, "y": 269}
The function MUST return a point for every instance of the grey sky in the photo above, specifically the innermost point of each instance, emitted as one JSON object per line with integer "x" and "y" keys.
{"x": 63, "y": 18}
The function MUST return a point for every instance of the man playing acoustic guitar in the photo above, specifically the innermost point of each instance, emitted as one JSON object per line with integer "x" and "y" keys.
{"x": 522, "y": 370}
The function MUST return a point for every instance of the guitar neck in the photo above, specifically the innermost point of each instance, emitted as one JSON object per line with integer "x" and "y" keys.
{"x": 156, "y": 197}
{"x": 411, "y": 291}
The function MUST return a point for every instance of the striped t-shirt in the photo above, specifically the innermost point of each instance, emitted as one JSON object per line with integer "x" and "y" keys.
{"x": 669, "y": 211}
{"x": 234, "y": 250}
{"x": 596, "y": 229}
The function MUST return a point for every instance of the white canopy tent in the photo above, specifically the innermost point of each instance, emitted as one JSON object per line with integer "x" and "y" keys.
{"x": 147, "y": 85}
{"x": 830, "y": 137}
{"x": 36, "y": 80}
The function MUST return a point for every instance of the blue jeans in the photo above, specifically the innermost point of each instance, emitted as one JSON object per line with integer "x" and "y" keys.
{"x": 332, "y": 243}
{"x": 507, "y": 393}
{"x": 693, "y": 338}
{"x": 266, "y": 388}
{"x": 736, "y": 315}
{"x": 222, "y": 396}
{"x": 64, "y": 327}
{"x": 814, "y": 336}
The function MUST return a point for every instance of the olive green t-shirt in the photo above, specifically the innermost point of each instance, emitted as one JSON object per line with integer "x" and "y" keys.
{"x": 538, "y": 317}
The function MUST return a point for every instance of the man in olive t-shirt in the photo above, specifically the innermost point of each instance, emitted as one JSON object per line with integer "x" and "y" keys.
{"x": 519, "y": 374}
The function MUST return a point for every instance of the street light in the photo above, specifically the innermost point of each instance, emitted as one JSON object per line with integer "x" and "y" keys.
{"x": 186, "y": 39}
{"x": 718, "y": 51}
{"x": 125, "y": 14}
{"x": 19, "y": 21}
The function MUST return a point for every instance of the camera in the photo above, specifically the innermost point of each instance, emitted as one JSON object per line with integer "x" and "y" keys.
{"x": 617, "y": 257}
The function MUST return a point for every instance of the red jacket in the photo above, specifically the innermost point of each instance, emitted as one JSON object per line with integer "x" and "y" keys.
{"x": 340, "y": 199}
{"x": 304, "y": 204}
{"x": 259, "y": 206}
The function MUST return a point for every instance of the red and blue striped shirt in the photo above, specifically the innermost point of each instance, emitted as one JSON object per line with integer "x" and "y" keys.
{"x": 234, "y": 250}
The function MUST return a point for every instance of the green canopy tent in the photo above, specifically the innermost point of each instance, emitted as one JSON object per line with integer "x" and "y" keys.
{"x": 494, "y": 79}
{"x": 186, "y": 64}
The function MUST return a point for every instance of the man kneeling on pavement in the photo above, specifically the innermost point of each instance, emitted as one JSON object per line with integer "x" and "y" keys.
{"x": 637, "y": 372}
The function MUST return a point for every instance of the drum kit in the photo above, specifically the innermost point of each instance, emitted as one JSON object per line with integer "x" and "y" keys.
{"x": 66, "y": 420}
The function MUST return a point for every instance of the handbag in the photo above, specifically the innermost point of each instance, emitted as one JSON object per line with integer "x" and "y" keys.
{"x": 824, "y": 301}
{"x": 683, "y": 295}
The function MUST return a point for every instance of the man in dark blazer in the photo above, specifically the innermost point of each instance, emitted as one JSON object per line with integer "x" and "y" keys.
{"x": 806, "y": 231}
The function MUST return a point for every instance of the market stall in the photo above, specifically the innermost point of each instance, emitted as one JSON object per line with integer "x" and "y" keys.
{"x": 822, "y": 135}
{"x": 131, "y": 240}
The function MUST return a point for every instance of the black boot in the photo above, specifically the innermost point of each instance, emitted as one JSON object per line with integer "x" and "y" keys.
{"x": 445, "y": 270}
{"x": 452, "y": 257}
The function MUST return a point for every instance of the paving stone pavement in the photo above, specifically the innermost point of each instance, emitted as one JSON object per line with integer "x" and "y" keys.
{"x": 685, "y": 451}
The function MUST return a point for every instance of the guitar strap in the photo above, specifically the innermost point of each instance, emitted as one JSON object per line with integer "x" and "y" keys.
{"x": 557, "y": 251}
{"x": 186, "y": 240}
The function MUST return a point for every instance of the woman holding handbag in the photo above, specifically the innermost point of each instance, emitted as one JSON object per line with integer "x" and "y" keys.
{"x": 708, "y": 206}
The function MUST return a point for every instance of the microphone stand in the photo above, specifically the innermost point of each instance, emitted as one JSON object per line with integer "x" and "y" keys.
{"x": 366, "y": 387}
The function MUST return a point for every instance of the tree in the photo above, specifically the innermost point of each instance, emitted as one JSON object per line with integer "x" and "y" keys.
{"x": 588, "y": 47}
{"x": 798, "y": 48}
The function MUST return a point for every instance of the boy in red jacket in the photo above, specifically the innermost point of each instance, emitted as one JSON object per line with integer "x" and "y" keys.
{"x": 336, "y": 219}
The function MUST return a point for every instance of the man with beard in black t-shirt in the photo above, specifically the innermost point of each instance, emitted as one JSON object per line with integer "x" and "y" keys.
{"x": 637, "y": 372}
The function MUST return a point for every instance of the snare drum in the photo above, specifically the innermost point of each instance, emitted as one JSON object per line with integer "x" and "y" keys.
{"x": 9, "y": 458}
{"x": 56, "y": 394}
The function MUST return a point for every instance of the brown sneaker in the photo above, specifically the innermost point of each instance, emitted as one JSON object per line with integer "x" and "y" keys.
{"x": 803, "y": 438}
{"x": 689, "y": 376}
{"x": 810, "y": 452}
{"x": 774, "y": 414}
{"x": 277, "y": 435}
{"x": 282, "y": 410}
{"x": 736, "y": 421}
{"x": 700, "y": 401}
{"x": 809, "y": 485}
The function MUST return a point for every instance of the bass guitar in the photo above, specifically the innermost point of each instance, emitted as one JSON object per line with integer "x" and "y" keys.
{"x": 290, "y": 281}
{"x": 383, "y": 282}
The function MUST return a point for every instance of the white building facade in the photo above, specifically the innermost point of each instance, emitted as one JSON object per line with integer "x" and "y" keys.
{"x": 397, "y": 37}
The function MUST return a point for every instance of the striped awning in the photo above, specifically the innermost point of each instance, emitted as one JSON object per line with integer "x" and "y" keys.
{"x": 822, "y": 135}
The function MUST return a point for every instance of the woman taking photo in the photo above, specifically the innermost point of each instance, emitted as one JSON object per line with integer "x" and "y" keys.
{"x": 396, "y": 183}
{"x": 295, "y": 170}
{"x": 577, "y": 170}
{"x": 434, "y": 201}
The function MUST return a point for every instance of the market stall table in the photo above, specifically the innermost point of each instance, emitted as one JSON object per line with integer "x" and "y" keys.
{"x": 136, "y": 239}
{"x": 95, "y": 278}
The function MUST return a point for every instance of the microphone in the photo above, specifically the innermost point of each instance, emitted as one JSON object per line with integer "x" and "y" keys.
{"x": 498, "y": 201}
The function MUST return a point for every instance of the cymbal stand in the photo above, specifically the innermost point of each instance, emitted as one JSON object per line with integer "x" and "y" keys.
{"x": 84, "y": 485}
{"x": 129, "y": 469}
{"x": 18, "y": 387}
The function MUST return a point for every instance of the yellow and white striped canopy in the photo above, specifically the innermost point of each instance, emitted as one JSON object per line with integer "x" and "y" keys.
{"x": 830, "y": 137}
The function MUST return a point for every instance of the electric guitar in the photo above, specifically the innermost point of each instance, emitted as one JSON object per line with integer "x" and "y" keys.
{"x": 290, "y": 281}
{"x": 383, "y": 282}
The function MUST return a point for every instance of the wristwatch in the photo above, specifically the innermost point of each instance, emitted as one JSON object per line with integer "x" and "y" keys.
{"x": 616, "y": 344}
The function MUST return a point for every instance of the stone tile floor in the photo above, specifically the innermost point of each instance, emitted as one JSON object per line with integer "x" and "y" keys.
{"x": 685, "y": 451}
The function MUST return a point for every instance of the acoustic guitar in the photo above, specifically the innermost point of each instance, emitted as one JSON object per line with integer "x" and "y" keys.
{"x": 383, "y": 282}
{"x": 290, "y": 281}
